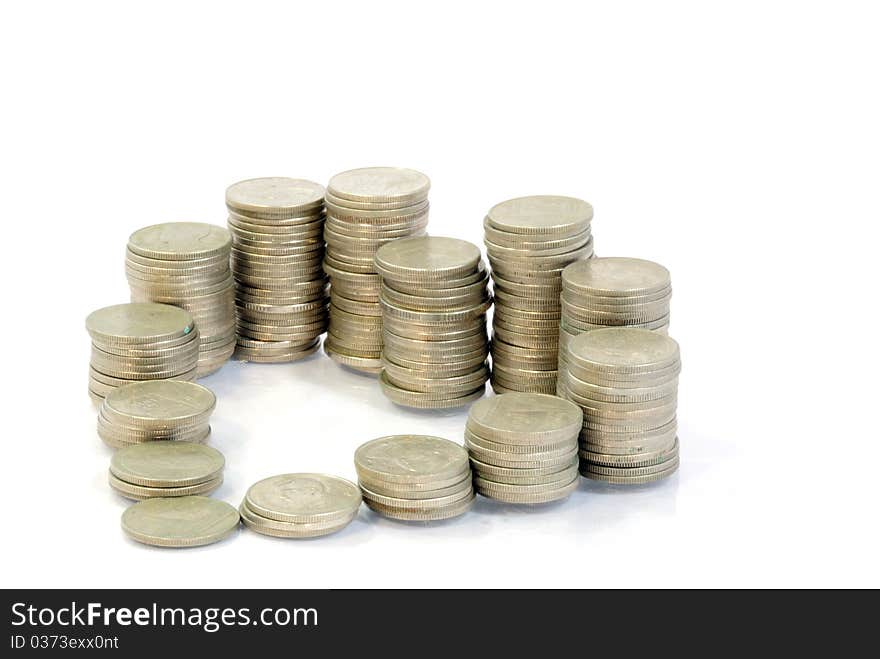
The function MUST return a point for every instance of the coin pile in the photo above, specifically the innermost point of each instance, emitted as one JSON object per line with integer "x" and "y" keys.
{"x": 612, "y": 292}
{"x": 166, "y": 469}
{"x": 626, "y": 381}
{"x": 414, "y": 477}
{"x": 434, "y": 300}
{"x": 140, "y": 341}
{"x": 366, "y": 208}
{"x": 524, "y": 447}
{"x": 529, "y": 240}
{"x": 277, "y": 229}
{"x": 156, "y": 410}
{"x": 300, "y": 505}
{"x": 190, "y": 521}
{"x": 187, "y": 264}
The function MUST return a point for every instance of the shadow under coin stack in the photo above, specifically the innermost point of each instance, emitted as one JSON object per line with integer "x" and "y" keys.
{"x": 156, "y": 410}
{"x": 524, "y": 447}
{"x": 626, "y": 381}
{"x": 166, "y": 469}
{"x": 277, "y": 227}
{"x": 140, "y": 341}
{"x": 187, "y": 264}
{"x": 434, "y": 301}
{"x": 529, "y": 241}
{"x": 414, "y": 477}
{"x": 366, "y": 208}
{"x": 611, "y": 292}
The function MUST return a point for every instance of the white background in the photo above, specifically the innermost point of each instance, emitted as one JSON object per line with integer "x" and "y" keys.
{"x": 736, "y": 143}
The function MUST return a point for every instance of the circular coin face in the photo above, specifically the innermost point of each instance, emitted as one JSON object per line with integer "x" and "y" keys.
{"x": 166, "y": 464}
{"x": 274, "y": 195}
{"x": 304, "y": 498}
{"x": 427, "y": 257}
{"x": 614, "y": 276}
{"x": 380, "y": 184}
{"x": 138, "y": 322}
{"x": 180, "y": 522}
{"x": 541, "y": 215}
{"x": 623, "y": 349}
{"x": 525, "y": 417}
{"x": 411, "y": 458}
{"x": 180, "y": 240}
{"x": 172, "y": 401}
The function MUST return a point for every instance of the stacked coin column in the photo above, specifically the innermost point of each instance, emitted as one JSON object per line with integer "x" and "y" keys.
{"x": 277, "y": 229}
{"x": 626, "y": 382}
{"x": 529, "y": 241}
{"x": 434, "y": 302}
{"x": 187, "y": 264}
{"x": 612, "y": 292}
{"x": 366, "y": 208}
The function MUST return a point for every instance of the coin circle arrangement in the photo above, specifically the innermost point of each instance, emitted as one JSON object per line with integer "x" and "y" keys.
{"x": 187, "y": 264}
{"x": 626, "y": 382}
{"x": 300, "y": 505}
{"x": 611, "y": 292}
{"x": 529, "y": 241}
{"x": 165, "y": 469}
{"x": 190, "y": 521}
{"x": 366, "y": 209}
{"x": 281, "y": 298}
{"x": 524, "y": 447}
{"x": 434, "y": 300}
{"x": 140, "y": 341}
{"x": 414, "y": 477}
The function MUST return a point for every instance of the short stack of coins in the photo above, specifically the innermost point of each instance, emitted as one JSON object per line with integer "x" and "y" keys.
{"x": 524, "y": 447}
{"x": 166, "y": 469}
{"x": 414, "y": 477}
{"x": 612, "y": 292}
{"x": 300, "y": 505}
{"x": 366, "y": 208}
{"x": 156, "y": 410}
{"x": 140, "y": 341}
{"x": 277, "y": 227}
{"x": 625, "y": 380}
{"x": 434, "y": 299}
{"x": 187, "y": 264}
{"x": 529, "y": 241}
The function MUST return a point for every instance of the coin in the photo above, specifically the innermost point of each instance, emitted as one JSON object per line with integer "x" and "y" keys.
{"x": 377, "y": 185}
{"x": 141, "y": 492}
{"x": 167, "y": 464}
{"x": 410, "y": 459}
{"x": 304, "y": 498}
{"x": 280, "y": 529}
{"x": 274, "y": 196}
{"x": 523, "y": 418}
{"x": 138, "y": 323}
{"x": 189, "y": 521}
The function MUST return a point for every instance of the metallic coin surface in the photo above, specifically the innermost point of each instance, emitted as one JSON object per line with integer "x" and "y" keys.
{"x": 427, "y": 257}
{"x": 380, "y": 185}
{"x": 547, "y": 215}
{"x": 410, "y": 459}
{"x": 616, "y": 277}
{"x": 304, "y": 498}
{"x": 180, "y": 241}
{"x": 274, "y": 195}
{"x": 525, "y": 418}
{"x": 180, "y": 522}
{"x": 138, "y": 323}
{"x": 167, "y": 464}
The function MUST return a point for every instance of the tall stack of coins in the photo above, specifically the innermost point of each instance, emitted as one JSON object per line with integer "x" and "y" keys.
{"x": 612, "y": 292}
{"x": 434, "y": 300}
{"x": 524, "y": 447}
{"x": 529, "y": 241}
{"x": 414, "y": 477}
{"x": 300, "y": 505}
{"x": 366, "y": 208}
{"x": 156, "y": 410}
{"x": 166, "y": 469}
{"x": 140, "y": 341}
{"x": 277, "y": 227}
{"x": 187, "y": 264}
{"x": 626, "y": 381}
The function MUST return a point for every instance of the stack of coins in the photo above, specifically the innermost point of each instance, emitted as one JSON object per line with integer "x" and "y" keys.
{"x": 414, "y": 477}
{"x": 156, "y": 410}
{"x": 140, "y": 341}
{"x": 166, "y": 469}
{"x": 524, "y": 447}
{"x": 190, "y": 521}
{"x": 529, "y": 241}
{"x": 300, "y": 505}
{"x": 612, "y": 292}
{"x": 434, "y": 300}
{"x": 626, "y": 381}
{"x": 366, "y": 208}
{"x": 277, "y": 227}
{"x": 187, "y": 264}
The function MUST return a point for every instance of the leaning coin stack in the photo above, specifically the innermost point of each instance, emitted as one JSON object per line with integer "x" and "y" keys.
{"x": 156, "y": 410}
{"x": 434, "y": 300}
{"x": 524, "y": 447}
{"x": 140, "y": 341}
{"x": 414, "y": 477}
{"x": 166, "y": 469}
{"x": 529, "y": 241}
{"x": 187, "y": 264}
{"x": 300, "y": 505}
{"x": 626, "y": 381}
{"x": 277, "y": 227}
{"x": 366, "y": 208}
{"x": 612, "y": 292}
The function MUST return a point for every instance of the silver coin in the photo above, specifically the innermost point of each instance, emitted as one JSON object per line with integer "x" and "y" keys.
{"x": 278, "y": 529}
{"x": 304, "y": 498}
{"x": 167, "y": 464}
{"x": 410, "y": 459}
{"x": 545, "y": 215}
{"x": 180, "y": 522}
{"x": 380, "y": 185}
{"x": 616, "y": 276}
{"x": 427, "y": 258}
{"x": 180, "y": 241}
{"x": 138, "y": 323}
{"x": 521, "y": 418}
{"x": 274, "y": 196}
